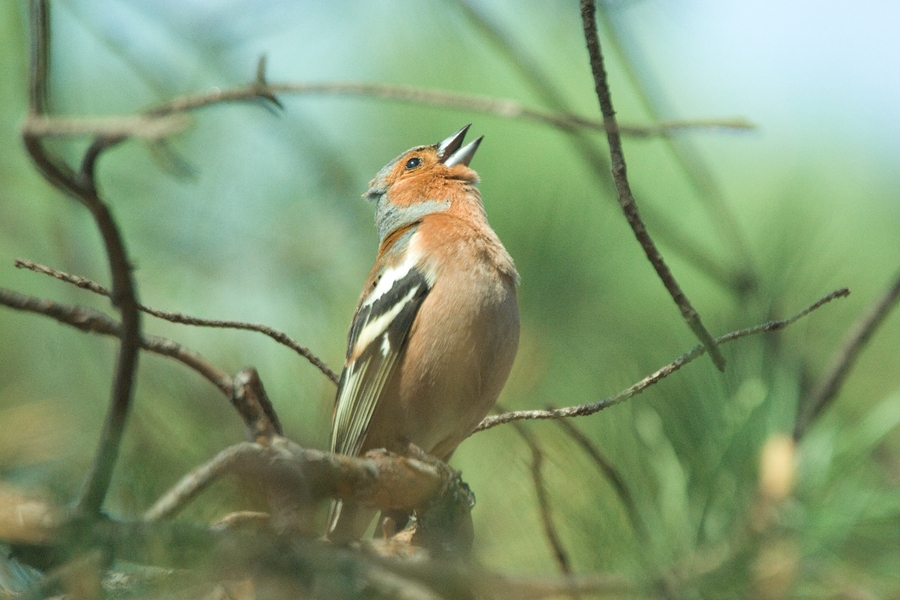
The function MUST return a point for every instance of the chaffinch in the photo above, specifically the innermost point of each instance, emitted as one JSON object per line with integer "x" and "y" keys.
{"x": 437, "y": 326}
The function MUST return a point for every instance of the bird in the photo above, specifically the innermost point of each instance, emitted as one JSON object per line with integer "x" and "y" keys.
{"x": 436, "y": 329}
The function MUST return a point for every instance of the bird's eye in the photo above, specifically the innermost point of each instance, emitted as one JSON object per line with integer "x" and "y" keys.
{"x": 412, "y": 163}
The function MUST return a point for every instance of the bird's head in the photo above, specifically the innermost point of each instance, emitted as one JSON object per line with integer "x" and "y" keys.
{"x": 423, "y": 180}
{"x": 447, "y": 159}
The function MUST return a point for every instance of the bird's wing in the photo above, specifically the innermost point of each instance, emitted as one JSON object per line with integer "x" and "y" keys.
{"x": 378, "y": 335}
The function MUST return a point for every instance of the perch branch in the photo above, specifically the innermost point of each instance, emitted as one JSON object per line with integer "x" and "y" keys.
{"x": 124, "y": 296}
{"x": 175, "y": 317}
{"x": 623, "y": 188}
{"x": 844, "y": 359}
{"x": 380, "y": 479}
{"x": 590, "y": 408}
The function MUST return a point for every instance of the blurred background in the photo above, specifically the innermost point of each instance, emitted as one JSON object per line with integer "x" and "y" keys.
{"x": 255, "y": 214}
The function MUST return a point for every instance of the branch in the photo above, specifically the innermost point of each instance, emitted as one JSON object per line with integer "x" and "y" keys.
{"x": 252, "y": 403}
{"x": 124, "y": 296}
{"x": 93, "y": 321}
{"x": 626, "y": 198}
{"x": 530, "y": 70}
{"x": 111, "y": 131}
{"x": 379, "y": 480}
{"x": 148, "y": 127}
{"x": 590, "y": 408}
{"x": 174, "y": 317}
{"x": 290, "y": 564}
{"x": 540, "y": 489}
{"x": 245, "y": 390}
{"x": 844, "y": 359}
{"x": 609, "y": 471}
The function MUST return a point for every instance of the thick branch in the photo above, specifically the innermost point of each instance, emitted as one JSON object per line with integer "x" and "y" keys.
{"x": 623, "y": 188}
{"x": 590, "y": 408}
{"x": 379, "y": 480}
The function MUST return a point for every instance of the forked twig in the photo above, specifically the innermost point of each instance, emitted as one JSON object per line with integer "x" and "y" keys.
{"x": 244, "y": 390}
{"x": 93, "y": 321}
{"x": 82, "y": 186}
{"x": 590, "y": 408}
{"x": 174, "y": 317}
{"x": 623, "y": 188}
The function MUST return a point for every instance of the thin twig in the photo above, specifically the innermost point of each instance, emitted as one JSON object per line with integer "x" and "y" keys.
{"x": 93, "y": 321}
{"x": 540, "y": 488}
{"x": 245, "y": 390}
{"x": 499, "y": 107}
{"x": 688, "y": 159}
{"x": 609, "y": 471}
{"x": 518, "y": 55}
{"x": 626, "y": 198}
{"x": 174, "y": 317}
{"x": 123, "y": 296}
{"x": 141, "y": 126}
{"x": 844, "y": 359}
{"x": 590, "y": 408}
{"x": 113, "y": 130}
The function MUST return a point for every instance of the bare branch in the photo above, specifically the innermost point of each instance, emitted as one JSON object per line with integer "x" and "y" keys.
{"x": 688, "y": 159}
{"x": 537, "y": 458}
{"x": 844, "y": 359}
{"x": 626, "y": 198}
{"x": 590, "y": 408}
{"x": 156, "y": 122}
{"x": 608, "y": 470}
{"x": 124, "y": 295}
{"x": 379, "y": 480}
{"x": 174, "y": 317}
{"x": 92, "y": 321}
{"x": 147, "y": 127}
{"x": 252, "y": 403}
{"x": 530, "y": 70}
{"x": 245, "y": 390}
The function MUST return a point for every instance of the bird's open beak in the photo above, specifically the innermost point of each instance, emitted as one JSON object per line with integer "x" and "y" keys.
{"x": 451, "y": 151}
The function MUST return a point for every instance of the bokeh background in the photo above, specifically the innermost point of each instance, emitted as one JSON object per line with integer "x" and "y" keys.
{"x": 255, "y": 214}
